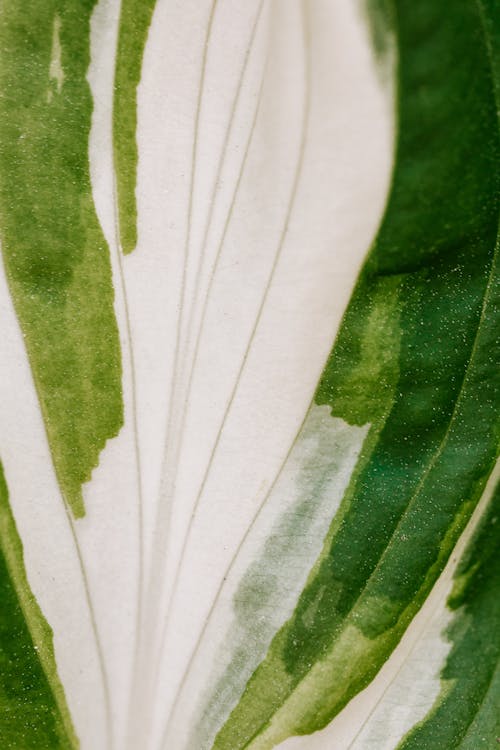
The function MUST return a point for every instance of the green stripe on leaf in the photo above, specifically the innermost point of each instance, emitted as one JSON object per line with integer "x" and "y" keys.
{"x": 55, "y": 255}
{"x": 133, "y": 30}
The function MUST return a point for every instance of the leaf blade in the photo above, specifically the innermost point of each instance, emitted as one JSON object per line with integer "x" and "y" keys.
{"x": 432, "y": 233}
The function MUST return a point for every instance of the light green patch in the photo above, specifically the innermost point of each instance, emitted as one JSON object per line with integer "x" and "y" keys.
{"x": 135, "y": 20}
{"x": 33, "y": 710}
{"x": 328, "y": 677}
{"x": 56, "y": 73}
{"x": 55, "y": 255}
{"x": 361, "y": 375}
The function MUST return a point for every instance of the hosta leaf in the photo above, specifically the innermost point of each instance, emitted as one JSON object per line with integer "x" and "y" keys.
{"x": 434, "y": 406}
{"x": 55, "y": 255}
{"x": 33, "y": 712}
{"x": 269, "y": 540}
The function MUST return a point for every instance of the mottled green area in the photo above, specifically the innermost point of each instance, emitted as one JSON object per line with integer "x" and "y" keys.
{"x": 466, "y": 715}
{"x": 361, "y": 375}
{"x": 381, "y": 18}
{"x": 33, "y": 711}
{"x": 55, "y": 256}
{"x": 307, "y": 493}
{"x": 417, "y": 357}
{"x": 135, "y": 20}
{"x": 489, "y": 12}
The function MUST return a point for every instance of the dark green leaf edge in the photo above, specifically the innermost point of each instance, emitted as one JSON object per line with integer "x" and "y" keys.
{"x": 33, "y": 710}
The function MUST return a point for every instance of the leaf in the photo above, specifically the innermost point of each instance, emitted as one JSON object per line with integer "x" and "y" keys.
{"x": 435, "y": 434}
{"x": 33, "y": 712}
{"x": 257, "y": 546}
{"x": 55, "y": 255}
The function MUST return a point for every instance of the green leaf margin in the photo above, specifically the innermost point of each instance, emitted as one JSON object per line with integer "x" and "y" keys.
{"x": 33, "y": 710}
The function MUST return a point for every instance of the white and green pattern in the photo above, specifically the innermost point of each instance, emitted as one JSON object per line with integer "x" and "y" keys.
{"x": 250, "y": 375}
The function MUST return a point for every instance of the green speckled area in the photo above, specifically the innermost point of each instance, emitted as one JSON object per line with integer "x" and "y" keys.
{"x": 413, "y": 381}
{"x": 33, "y": 712}
{"x": 55, "y": 255}
{"x": 135, "y": 20}
{"x": 416, "y": 357}
{"x": 466, "y": 715}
